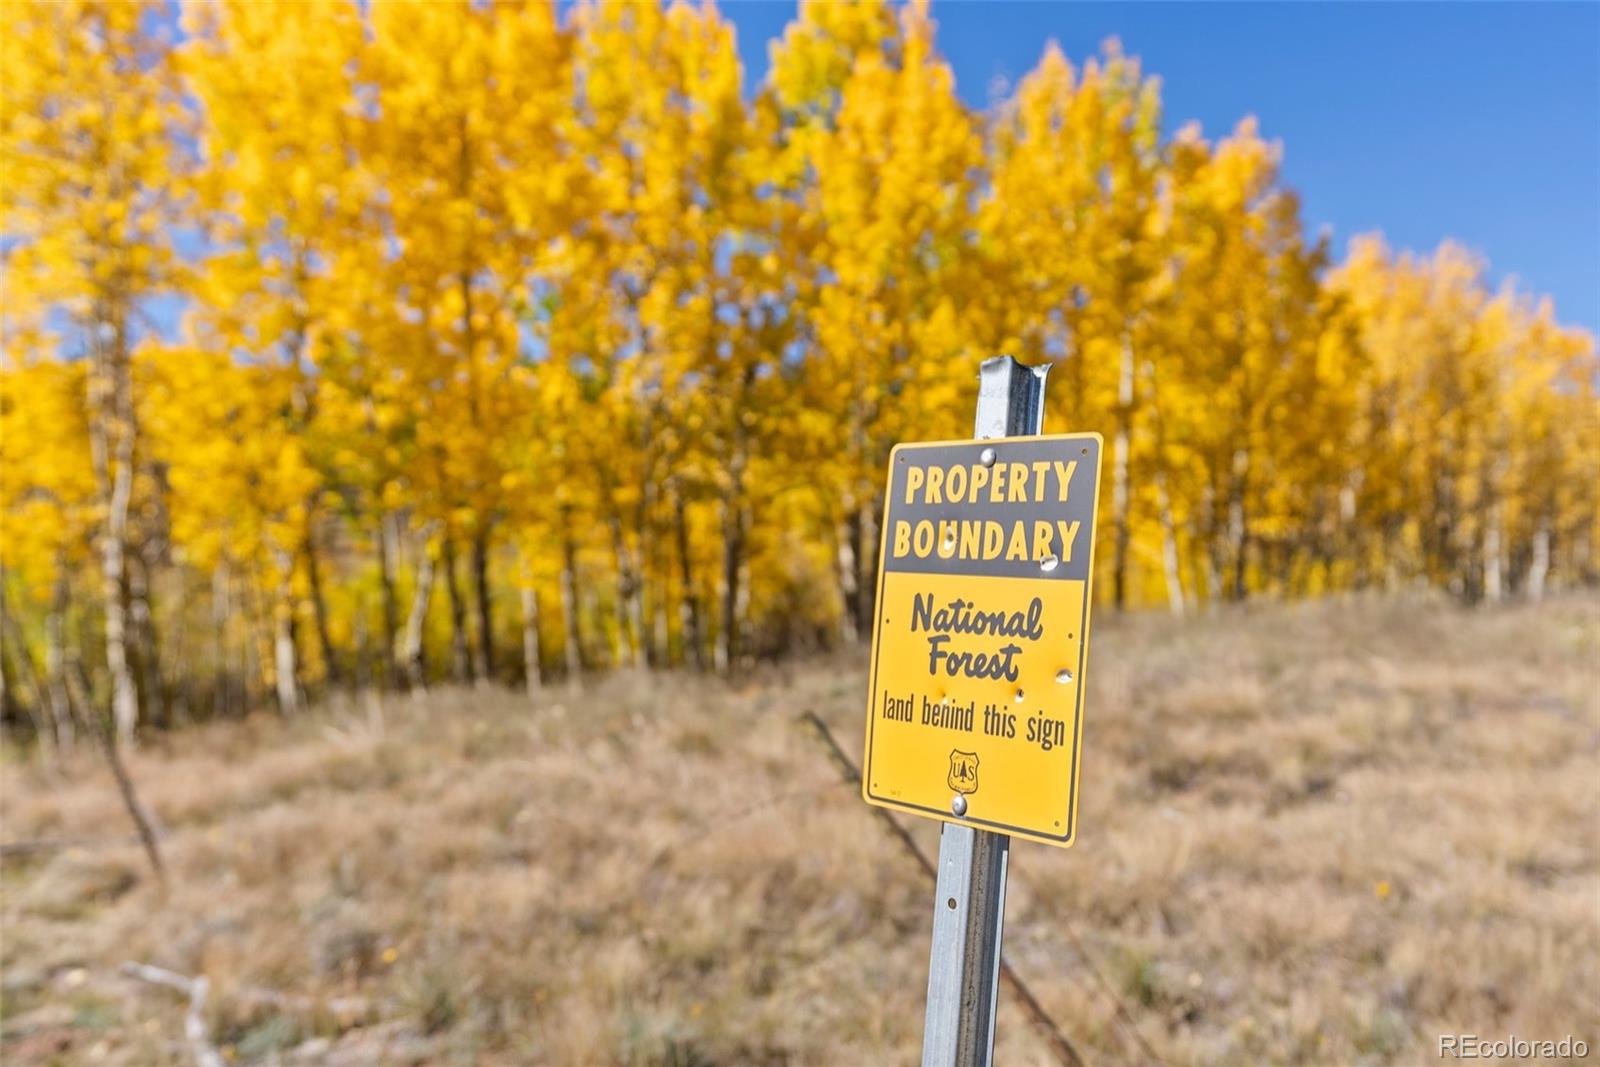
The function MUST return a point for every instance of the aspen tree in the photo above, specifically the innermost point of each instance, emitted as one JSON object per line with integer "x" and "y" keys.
{"x": 539, "y": 305}
{"x": 893, "y": 174}
{"x": 471, "y": 99}
{"x": 1070, "y": 228}
{"x": 284, "y": 196}
{"x": 90, "y": 152}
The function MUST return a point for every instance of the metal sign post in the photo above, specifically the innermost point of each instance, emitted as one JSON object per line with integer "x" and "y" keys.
{"x": 970, "y": 904}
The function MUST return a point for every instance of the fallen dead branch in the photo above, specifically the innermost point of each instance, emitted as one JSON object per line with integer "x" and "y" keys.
{"x": 194, "y": 1021}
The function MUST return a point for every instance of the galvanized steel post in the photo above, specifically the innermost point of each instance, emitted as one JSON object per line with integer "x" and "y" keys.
{"x": 970, "y": 903}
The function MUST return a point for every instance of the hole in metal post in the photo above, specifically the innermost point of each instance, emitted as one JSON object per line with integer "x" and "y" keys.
{"x": 951, "y": 903}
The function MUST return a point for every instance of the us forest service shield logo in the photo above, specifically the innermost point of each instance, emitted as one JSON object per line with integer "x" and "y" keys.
{"x": 963, "y": 777}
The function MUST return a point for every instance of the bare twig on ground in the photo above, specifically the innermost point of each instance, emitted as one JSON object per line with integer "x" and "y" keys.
{"x": 194, "y": 1021}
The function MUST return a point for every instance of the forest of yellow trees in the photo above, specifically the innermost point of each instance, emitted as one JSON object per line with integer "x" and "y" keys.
{"x": 391, "y": 343}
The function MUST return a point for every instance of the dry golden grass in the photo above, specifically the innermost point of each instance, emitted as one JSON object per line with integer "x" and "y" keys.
{"x": 1322, "y": 833}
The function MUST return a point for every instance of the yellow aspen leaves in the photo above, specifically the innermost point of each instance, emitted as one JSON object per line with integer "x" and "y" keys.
{"x": 411, "y": 340}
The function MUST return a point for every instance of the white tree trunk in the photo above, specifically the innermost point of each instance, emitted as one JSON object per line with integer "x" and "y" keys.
{"x": 114, "y": 558}
{"x": 285, "y": 663}
{"x": 1169, "y": 552}
{"x": 845, "y": 560}
{"x": 411, "y": 649}
{"x": 1539, "y": 568}
{"x": 1121, "y": 494}
{"x": 1493, "y": 570}
{"x": 111, "y": 450}
{"x": 630, "y": 599}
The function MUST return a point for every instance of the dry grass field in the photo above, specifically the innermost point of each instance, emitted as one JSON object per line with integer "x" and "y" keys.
{"x": 1322, "y": 833}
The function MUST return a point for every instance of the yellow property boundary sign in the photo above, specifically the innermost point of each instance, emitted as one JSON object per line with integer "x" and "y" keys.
{"x": 985, "y": 572}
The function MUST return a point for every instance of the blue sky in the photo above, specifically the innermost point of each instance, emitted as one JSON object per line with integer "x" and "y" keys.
{"x": 1473, "y": 121}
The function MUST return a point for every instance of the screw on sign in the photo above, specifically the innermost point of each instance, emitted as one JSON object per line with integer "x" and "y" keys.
{"x": 975, "y": 700}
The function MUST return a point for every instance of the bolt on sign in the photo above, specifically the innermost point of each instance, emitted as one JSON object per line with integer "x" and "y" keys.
{"x": 975, "y": 712}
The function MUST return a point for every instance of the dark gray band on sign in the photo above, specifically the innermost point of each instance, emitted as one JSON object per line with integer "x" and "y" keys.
{"x": 1054, "y": 453}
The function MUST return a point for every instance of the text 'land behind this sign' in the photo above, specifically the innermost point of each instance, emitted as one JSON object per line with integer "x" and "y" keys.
{"x": 982, "y": 634}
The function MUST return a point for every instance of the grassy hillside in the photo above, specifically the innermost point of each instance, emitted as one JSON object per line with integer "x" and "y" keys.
{"x": 1322, "y": 833}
